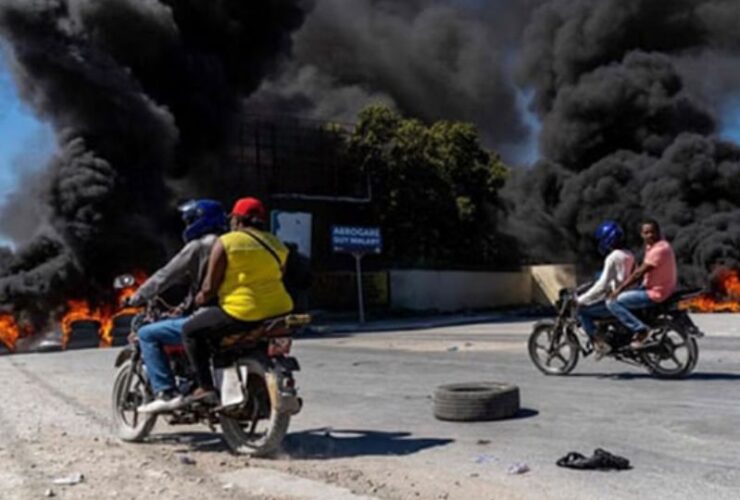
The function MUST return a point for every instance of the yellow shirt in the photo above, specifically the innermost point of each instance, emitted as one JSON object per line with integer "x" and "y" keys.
{"x": 252, "y": 288}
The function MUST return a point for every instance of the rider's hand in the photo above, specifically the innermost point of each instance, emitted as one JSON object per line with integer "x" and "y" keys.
{"x": 200, "y": 299}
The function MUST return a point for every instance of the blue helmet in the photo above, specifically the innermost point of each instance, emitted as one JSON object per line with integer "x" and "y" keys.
{"x": 202, "y": 217}
{"x": 608, "y": 235}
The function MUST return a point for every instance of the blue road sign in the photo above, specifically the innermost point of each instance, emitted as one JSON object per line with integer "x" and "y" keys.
{"x": 356, "y": 239}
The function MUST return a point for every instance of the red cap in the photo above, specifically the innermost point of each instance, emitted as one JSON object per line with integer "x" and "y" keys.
{"x": 249, "y": 207}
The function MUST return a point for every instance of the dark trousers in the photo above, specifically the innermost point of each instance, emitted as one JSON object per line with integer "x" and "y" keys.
{"x": 209, "y": 323}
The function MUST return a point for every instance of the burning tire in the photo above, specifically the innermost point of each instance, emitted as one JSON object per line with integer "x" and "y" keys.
{"x": 474, "y": 402}
{"x": 130, "y": 390}
{"x": 85, "y": 334}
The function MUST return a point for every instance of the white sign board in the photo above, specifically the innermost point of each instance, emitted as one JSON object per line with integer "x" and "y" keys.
{"x": 293, "y": 227}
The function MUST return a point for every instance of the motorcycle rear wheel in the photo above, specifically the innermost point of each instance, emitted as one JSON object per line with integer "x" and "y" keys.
{"x": 676, "y": 355}
{"x": 137, "y": 426}
{"x": 565, "y": 353}
{"x": 243, "y": 435}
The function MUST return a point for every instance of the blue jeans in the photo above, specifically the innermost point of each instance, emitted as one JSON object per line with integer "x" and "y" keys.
{"x": 587, "y": 315}
{"x": 152, "y": 339}
{"x": 630, "y": 301}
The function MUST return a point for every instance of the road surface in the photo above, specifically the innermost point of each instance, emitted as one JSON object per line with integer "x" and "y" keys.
{"x": 367, "y": 429}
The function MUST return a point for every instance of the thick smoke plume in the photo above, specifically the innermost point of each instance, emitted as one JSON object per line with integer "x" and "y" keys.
{"x": 628, "y": 127}
{"x": 138, "y": 92}
{"x": 433, "y": 59}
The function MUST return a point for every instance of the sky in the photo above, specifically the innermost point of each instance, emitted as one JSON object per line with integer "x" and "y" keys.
{"x": 26, "y": 143}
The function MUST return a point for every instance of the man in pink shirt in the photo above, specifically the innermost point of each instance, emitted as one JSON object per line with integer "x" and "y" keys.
{"x": 659, "y": 279}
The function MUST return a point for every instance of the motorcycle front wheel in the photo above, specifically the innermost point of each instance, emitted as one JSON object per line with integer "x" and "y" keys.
{"x": 130, "y": 390}
{"x": 256, "y": 429}
{"x": 561, "y": 359}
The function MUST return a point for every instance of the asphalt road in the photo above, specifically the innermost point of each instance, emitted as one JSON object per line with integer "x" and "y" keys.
{"x": 367, "y": 427}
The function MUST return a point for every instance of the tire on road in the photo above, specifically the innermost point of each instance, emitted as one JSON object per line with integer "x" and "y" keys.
{"x": 473, "y": 402}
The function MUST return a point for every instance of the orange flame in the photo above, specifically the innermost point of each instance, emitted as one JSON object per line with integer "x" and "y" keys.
{"x": 725, "y": 299}
{"x": 80, "y": 310}
{"x": 9, "y": 331}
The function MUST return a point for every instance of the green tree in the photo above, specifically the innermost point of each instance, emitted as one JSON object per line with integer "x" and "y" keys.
{"x": 435, "y": 189}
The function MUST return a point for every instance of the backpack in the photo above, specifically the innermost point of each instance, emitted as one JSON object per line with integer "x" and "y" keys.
{"x": 297, "y": 274}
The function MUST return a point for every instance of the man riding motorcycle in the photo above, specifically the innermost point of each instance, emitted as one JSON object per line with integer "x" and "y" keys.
{"x": 245, "y": 272}
{"x": 618, "y": 266}
{"x": 659, "y": 277}
{"x": 205, "y": 220}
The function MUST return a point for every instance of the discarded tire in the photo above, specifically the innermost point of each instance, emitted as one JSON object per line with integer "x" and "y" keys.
{"x": 480, "y": 401}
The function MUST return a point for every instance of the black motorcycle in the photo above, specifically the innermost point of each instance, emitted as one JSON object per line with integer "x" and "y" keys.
{"x": 252, "y": 369}
{"x": 670, "y": 351}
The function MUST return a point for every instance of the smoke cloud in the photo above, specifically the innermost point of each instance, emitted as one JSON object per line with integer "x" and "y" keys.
{"x": 628, "y": 128}
{"x": 428, "y": 58}
{"x": 138, "y": 92}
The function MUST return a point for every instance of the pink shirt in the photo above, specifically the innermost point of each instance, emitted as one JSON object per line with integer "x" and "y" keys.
{"x": 660, "y": 282}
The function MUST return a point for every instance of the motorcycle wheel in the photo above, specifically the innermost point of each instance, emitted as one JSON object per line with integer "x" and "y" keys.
{"x": 130, "y": 424}
{"x": 562, "y": 360}
{"x": 675, "y": 356}
{"x": 258, "y": 429}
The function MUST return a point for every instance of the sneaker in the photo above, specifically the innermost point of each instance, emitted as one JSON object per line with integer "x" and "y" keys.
{"x": 165, "y": 401}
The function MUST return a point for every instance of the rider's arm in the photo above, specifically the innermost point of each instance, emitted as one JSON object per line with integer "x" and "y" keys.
{"x": 214, "y": 274}
{"x": 634, "y": 278}
{"x": 175, "y": 270}
{"x": 599, "y": 289}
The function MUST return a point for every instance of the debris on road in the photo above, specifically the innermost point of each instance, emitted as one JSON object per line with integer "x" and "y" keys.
{"x": 518, "y": 468}
{"x": 187, "y": 460}
{"x": 454, "y": 348}
{"x": 483, "y": 442}
{"x": 600, "y": 460}
{"x": 49, "y": 493}
{"x": 485, "y": 459}
{"x": 70, "y": 480}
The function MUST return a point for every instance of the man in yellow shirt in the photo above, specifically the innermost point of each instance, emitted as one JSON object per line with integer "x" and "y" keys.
{"x": 245, "y": 273}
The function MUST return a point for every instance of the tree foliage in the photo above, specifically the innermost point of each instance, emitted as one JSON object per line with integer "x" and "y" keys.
{"x": 435, "y": 189}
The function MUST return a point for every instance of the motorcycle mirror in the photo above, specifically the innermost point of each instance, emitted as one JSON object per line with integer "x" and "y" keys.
{"x": 123, "y": 281}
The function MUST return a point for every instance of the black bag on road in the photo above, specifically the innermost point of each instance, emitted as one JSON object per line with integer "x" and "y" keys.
{"x": 600, "y": 460}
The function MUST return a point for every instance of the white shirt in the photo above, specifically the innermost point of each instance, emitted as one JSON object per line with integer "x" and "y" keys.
{"x": 618, "y": 266}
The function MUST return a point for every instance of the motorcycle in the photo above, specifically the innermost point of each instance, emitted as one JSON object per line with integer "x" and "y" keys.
{"x": 253, "y": 370}
{"x": 671, "y": 350}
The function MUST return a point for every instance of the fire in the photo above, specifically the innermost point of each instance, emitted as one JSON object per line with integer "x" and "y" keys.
{"x": 724, "y": 298}
{"x": 80, "y": 310}
{"x": 9, "y": 331}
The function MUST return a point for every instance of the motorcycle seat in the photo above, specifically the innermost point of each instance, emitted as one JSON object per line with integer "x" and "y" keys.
{"x": 281, "y": 326}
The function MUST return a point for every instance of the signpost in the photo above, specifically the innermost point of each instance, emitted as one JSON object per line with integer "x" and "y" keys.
{"x": 358, "y": 241}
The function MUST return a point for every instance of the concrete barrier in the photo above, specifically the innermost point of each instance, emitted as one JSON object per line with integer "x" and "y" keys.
{"x": 450, "y": 291}
{"x": 444, "y": 291}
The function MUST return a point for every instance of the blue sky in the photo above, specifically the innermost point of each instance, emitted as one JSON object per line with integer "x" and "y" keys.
{"x": 25, "y": 142}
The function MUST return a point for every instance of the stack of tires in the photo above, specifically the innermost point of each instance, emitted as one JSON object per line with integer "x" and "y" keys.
{"x": 85, "y": 335}
{"x": 121, "y": 329}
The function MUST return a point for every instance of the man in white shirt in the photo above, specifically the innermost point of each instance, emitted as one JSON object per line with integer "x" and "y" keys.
{"x": 618, "y": 266}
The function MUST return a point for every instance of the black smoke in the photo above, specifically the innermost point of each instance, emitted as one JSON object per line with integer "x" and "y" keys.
{"x": 629, "y": 128}
{"x": 432, "y": 59}
{"x": 139, "y": 92}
